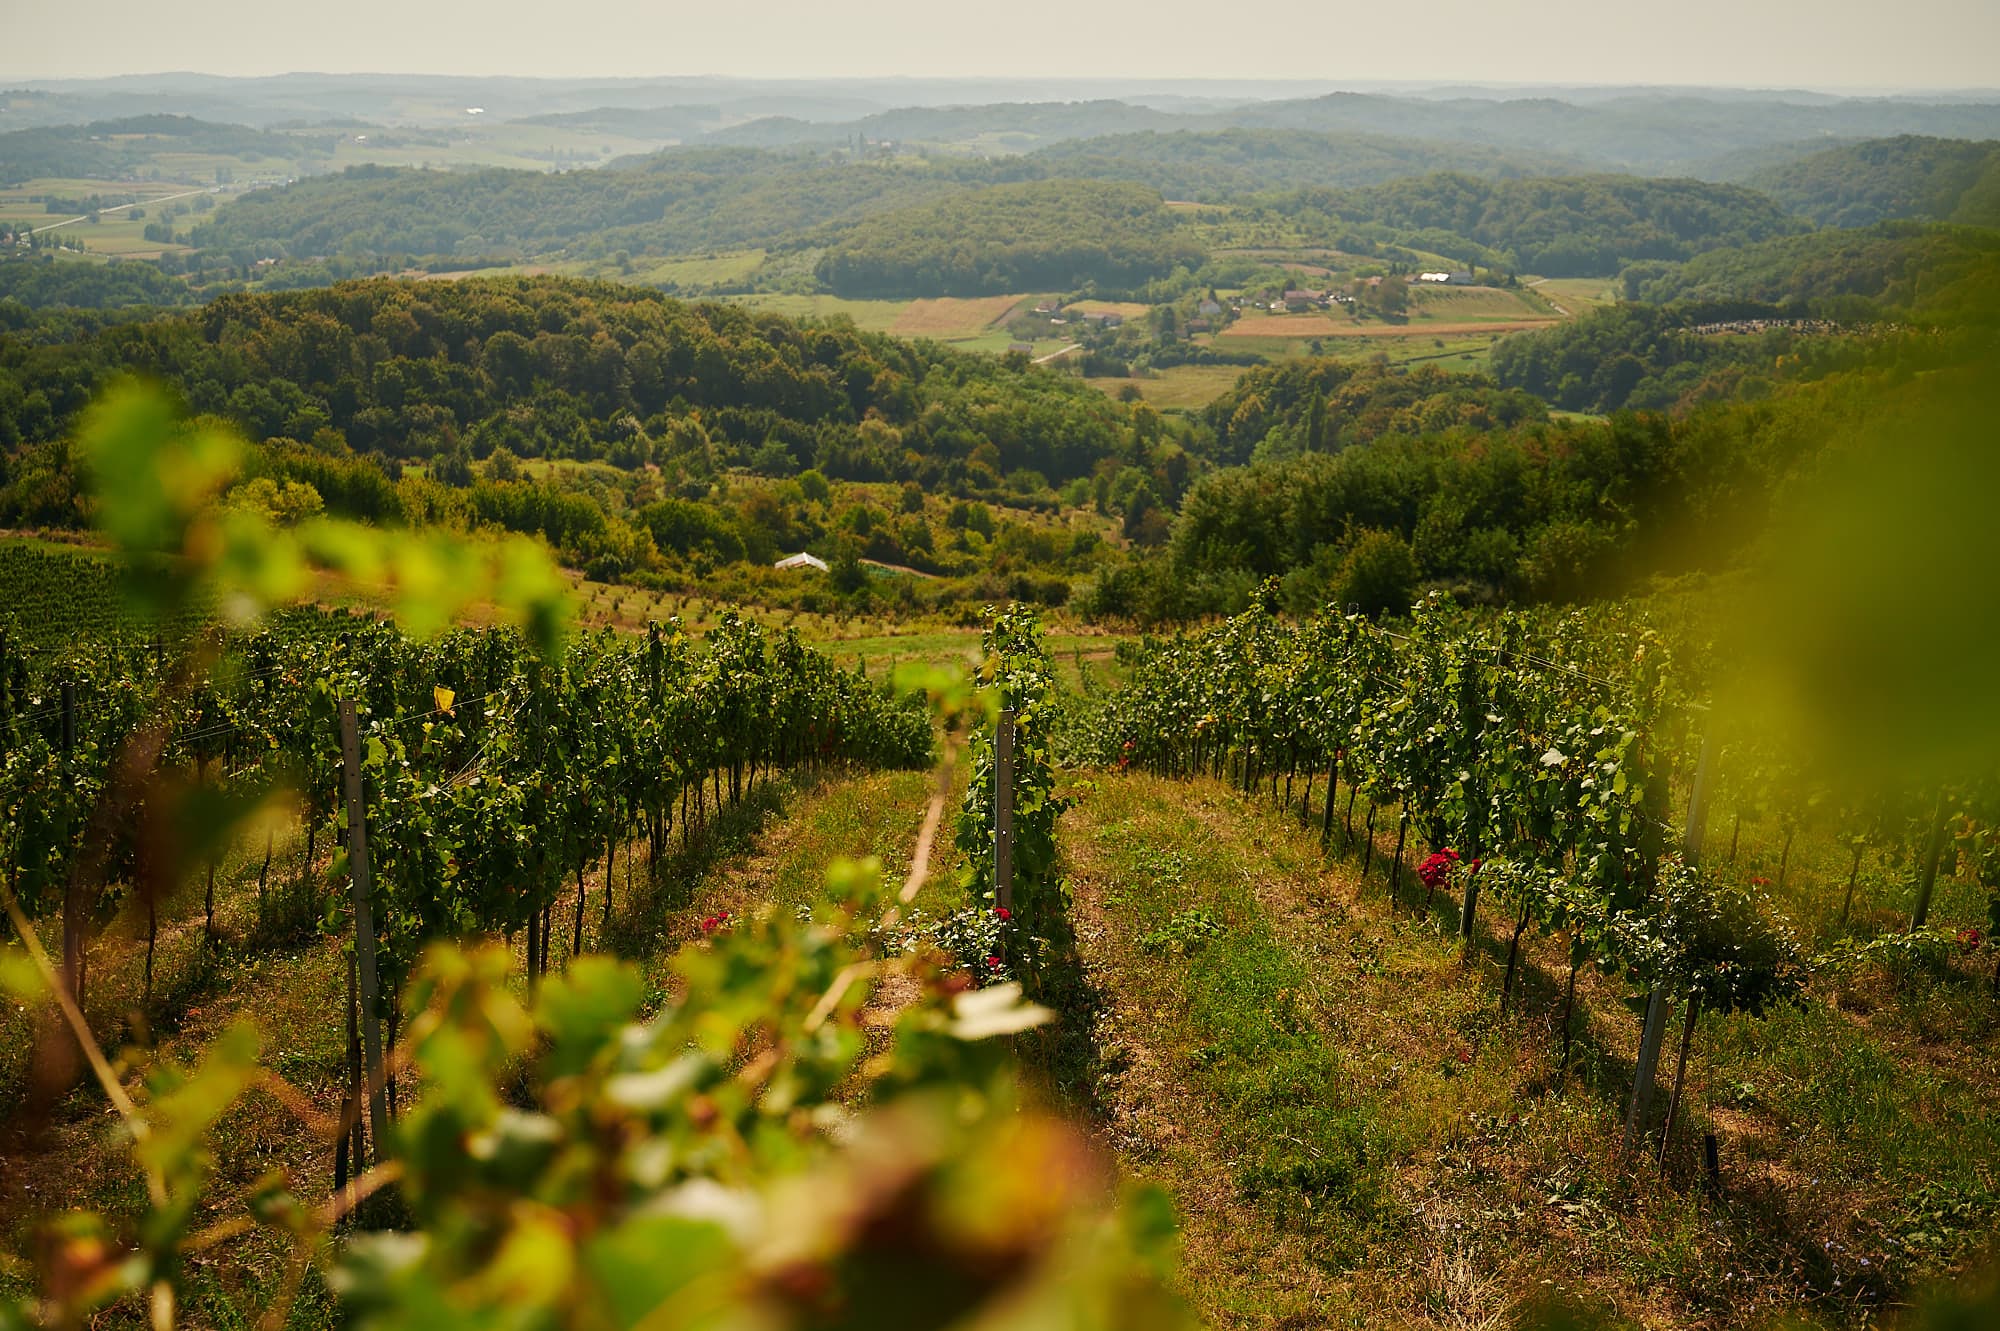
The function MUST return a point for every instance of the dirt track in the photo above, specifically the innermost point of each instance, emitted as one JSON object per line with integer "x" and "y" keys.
{"x": 1285, "y": 325}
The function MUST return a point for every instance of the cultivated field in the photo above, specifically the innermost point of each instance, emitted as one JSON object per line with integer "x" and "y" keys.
{"x": 1576, "y": 295}
{"x": 1181, "y": 388}
{"x": 115, "y": 233}
{"x": 952, "y": 317}
{"x": 698, "y": 270}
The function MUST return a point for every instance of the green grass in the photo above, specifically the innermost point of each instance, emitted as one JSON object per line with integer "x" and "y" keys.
{"x": 1355, "y": 1136}
{"x": 1181, "y": 387}
{"x": 1576, "y": 294}
{"x": 699, "y": 270}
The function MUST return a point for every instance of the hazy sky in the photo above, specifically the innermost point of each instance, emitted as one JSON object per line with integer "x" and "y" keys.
{"x": 1833, "y": 44}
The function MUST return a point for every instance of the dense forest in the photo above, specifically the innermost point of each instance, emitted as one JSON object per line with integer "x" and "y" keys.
{"x": 1042, "y": 236}
{"x": 1884, "y": 180}
{"x": 46, "y": 282}
{"x": 1537, "y": 509}
{"x": 1898, "y": 265}
{"x": 1324, "y": 406}
{"x": 1657, "y": 358}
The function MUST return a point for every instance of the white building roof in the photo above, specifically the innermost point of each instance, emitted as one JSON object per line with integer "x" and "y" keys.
{"x": 802, "y": 560}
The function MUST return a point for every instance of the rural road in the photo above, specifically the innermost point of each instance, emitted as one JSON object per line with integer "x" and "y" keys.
{"x": 164, "y": 198}
{"x": 1553, "y": 303}
{"x": 1060, "y": 351}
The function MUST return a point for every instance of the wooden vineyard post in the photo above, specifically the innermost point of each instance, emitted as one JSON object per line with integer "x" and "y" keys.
{"x": 1332, "y": 781}
{"x": 1472, "y": 707}
{"x": 1469, "y": 909}
{"x": 1651, "y": 1036}
{"x": 1638, "y": 1117}
{"x": 1003, "y": 812}
{"x": 72, "y": 913}
{"x": 364, "y": 926}
{"x": 1933, "y": 851}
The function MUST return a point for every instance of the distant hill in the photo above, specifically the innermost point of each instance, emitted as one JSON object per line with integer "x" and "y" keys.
{"x": 651, "y": 122}
{"x": 1707, "y": 134}
{"x": 673, "y": 202}
{"x": 692, "y": 200}
{"x": 1214, "y": 165}
{"x": 1007, "y": 126}
{"x": 1882, "y": 180}
{"x": 1654, "y": 134}
{"x": 109, "y": 149}
{"x": 1034, "y": 236}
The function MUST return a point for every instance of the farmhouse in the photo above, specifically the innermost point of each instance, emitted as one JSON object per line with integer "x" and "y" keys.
{"x": 1025, "y": 348}
{"x": 801, "y": 560}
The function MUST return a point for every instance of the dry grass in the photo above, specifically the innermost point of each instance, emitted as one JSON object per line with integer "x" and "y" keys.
{"x": 951, "y": 316}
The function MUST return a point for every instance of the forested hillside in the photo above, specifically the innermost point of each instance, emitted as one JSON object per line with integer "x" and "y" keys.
{"x": 1658, "y": 358}
{"x": 1323, "y": 406}
{"x": 1895, "y": 265}
{"x": 346, "y": 384}
{"x": 1495, "y": 508}
{"x": 672, "y": 203}
{"x": 1055, "y": 235}
{"x": 1883, "y": 180}
{"x": 915, "y": 227}
{"x": 1578, "y": 225}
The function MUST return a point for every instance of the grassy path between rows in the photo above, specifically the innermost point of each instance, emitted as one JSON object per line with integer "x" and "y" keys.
{"x": 1355, "y": 1136}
